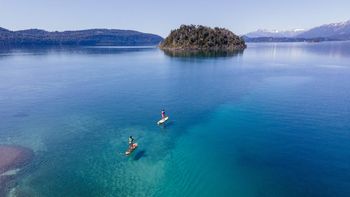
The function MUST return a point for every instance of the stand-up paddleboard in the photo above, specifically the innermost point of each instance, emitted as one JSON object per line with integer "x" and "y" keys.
{"x": 162, "y": 120}
{"x": 131, "y": 149}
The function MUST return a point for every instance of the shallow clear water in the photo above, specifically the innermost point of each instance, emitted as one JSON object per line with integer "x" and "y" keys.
{"x": 271, "y": 121}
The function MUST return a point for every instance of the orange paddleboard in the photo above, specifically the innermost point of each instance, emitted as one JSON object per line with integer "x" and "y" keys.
{"x": 131, "y": 149}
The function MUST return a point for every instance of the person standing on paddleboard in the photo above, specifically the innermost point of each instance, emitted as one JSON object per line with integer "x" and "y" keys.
{"x": 131, "y": 141}
{"x": 163, "y": 114}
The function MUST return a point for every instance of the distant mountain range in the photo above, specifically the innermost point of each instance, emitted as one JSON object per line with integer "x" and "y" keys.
{"x": 89, "y": 37}
{"x": 274, "y": 33}
{"x": 115, "y": 37}
{"x": 328, "y": 32}
{"x": 339, "y": 31}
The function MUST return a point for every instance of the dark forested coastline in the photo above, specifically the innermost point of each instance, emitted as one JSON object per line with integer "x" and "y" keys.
{"x": 90, "y": 37}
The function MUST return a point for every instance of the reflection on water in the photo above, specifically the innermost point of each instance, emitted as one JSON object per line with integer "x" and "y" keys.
{"x": 6, "y": 51}
{"x": 336, "y": 48}
{"x": 202, "y": 53}
{"x": 326, "y": 48}
{"x": 329, "y": 48}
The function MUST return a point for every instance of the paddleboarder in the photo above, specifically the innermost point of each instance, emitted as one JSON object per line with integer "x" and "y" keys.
{"x": 163, "y": 114}
{"x": 131, "y": 141}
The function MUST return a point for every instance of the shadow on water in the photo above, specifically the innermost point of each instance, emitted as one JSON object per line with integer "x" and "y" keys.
{"x": 139, "y": 155}
{"x": 202, "y": 53}
{"x": 166, "y": 125}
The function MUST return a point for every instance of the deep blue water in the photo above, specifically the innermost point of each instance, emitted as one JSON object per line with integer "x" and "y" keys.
{"x": 271, "y": 121}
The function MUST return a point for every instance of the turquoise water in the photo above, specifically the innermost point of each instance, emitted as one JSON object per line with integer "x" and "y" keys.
{"x": 271, "y": 121}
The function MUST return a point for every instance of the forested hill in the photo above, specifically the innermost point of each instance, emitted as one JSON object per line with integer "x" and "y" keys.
{"x": 198, "y": 37}
{"x": 90, "y": 37}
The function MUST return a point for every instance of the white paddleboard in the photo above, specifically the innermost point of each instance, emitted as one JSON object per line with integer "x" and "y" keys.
{"x": 162, "y": 120}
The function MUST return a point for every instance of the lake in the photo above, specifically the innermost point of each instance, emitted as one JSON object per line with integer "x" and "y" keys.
{"x": 271, "y": 121}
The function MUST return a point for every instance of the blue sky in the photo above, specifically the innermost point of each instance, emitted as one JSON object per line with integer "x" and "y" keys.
{"x": 156, "y": 16}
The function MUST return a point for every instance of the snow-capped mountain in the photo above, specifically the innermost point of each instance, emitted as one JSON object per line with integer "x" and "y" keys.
{"x": 333, "y": 31}
{"x": 274, "y": 33}
{"x": 339, "y": 31}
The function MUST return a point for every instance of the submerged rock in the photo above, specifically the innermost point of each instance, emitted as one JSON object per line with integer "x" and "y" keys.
{"x": 12, "y": 158}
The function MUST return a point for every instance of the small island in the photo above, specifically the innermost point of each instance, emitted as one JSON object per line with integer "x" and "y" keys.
{"x": 198, "y": 37}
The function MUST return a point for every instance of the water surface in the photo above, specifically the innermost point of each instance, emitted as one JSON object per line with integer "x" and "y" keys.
{"x": 271, "y": 121}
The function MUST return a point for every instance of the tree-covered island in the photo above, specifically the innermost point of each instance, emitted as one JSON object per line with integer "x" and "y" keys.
{"x": 198, "y": 37}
